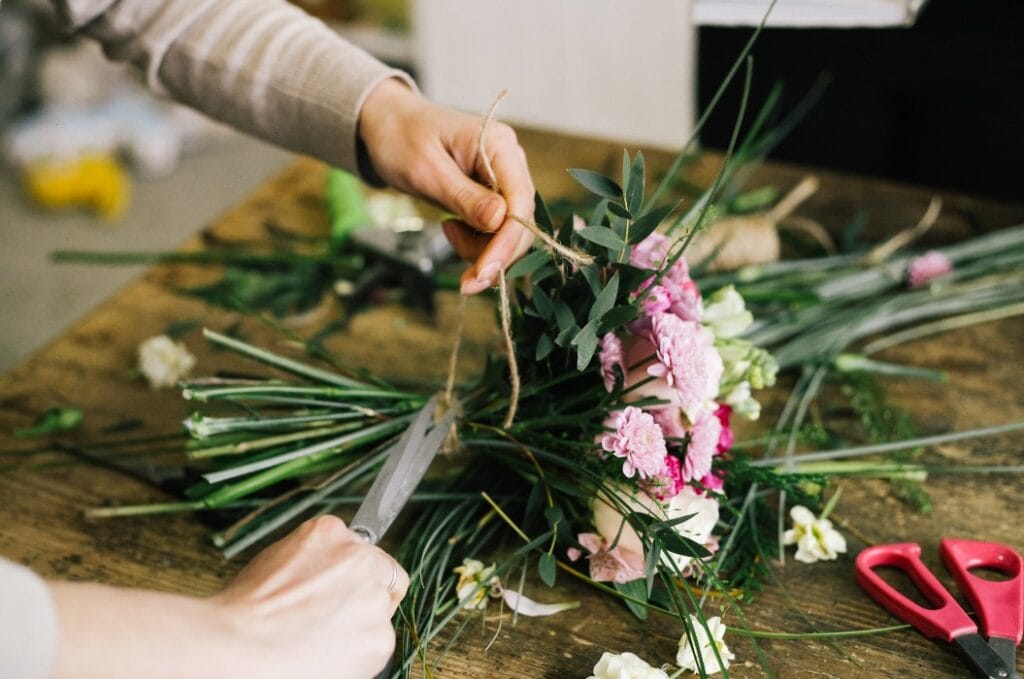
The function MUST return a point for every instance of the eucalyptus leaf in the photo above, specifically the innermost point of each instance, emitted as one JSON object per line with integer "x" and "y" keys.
{"x": 635, "y": 186}
{"x": 540, "y": 213}
{"x": 603, "y": 236}
{"x": 606, "y": 300}
{"x": 597, "y": 183}
{"x": 544, "y": 347}
{"x": 564, "y": 316}
{"x": 599, "y": 214}
{"x": 620, "y": 210}
{"x": 592, "y": 274}
{"x": 528, "y": 264}
{"x": 645, "y": 226}
{"x": 616, "y": 317}
{"x": 566, "y": 335}
{"x": 545, "y": 307}
{"x": 586, "y": 344}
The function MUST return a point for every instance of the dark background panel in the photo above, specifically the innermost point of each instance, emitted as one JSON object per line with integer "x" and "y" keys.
{"x": 938, "y": 103}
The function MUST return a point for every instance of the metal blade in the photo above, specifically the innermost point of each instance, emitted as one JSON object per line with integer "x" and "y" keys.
{"x": 985, "y": 660}
{"x": 1007, "y": 650}
{"x": 406, "y": 464}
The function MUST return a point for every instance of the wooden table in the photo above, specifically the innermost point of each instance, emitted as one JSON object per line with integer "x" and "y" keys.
{"x": 90, "y": 366}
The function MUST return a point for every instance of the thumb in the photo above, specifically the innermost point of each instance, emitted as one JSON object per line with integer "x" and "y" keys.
{"x": 477, "y": 205}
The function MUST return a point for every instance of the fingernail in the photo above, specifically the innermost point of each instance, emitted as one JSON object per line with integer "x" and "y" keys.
{"x": 488, "y": 273}
{"x": 488, "y": 213}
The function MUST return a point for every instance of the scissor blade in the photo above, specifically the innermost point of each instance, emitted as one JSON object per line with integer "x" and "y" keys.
{"x": 984, "y": 657}
{"x": 406, "y": 464}
{"x": 1007, "y": 650}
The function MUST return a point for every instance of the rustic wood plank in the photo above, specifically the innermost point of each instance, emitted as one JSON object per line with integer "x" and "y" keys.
{"x": 91, "y": 366}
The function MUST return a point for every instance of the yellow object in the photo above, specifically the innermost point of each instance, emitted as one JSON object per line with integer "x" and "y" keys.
{"x": 97, "y": 182}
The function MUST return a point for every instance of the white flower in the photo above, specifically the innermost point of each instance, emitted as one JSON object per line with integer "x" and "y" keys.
{"x": 687, "y": 658}
{"x": 164, "y": 361}
{"x": 475, "y": 583}
{"x": 625, "y": 666}
{"x": 815, "y": 539}
{"x": 741, "y": 401}
{"x": 726, "y": 313}
{"x": 609, "y": 521}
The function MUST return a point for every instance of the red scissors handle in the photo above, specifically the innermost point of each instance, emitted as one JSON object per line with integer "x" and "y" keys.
{"x": 946, "y": 621}
{"x": 999, "y": 604}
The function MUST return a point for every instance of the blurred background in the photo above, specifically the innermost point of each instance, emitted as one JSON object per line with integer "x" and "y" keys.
{"x": 923, "y": 92}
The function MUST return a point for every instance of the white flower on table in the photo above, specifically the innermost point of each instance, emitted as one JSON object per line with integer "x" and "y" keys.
{"x": 475, "y": 583}
{"x": 625, "y": 666}
{"x": 705, "y": 647}
{"x": 815, "y": 539}
{"x": 163, "y": 361}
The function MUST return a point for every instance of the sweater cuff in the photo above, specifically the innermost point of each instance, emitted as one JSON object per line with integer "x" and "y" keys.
{"x": 28, "y": 624}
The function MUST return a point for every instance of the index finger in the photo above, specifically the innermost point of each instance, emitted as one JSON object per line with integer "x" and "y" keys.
{"x": 513, "y": 175}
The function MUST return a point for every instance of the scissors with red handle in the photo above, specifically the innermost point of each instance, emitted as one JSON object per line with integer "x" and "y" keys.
{"x": 998, "y": 604}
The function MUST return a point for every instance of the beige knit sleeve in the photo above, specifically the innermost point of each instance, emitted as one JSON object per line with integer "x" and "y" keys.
{"x": 263, "y": 66}
{"x": 28, "y": 624}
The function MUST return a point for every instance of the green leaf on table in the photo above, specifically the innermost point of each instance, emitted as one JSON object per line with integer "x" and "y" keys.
{"x": 635, "y": 186}
{"x": 597, "y": 183}
{"x": 586, "y": 344}
{"x": 56, "y": 419}
{"x": 528, "y": 264}
{"x": 635, "y": 589}
{"x": 645, "y": 226}
{"x": 603, "y": 236}
{"x": 544, "y": 347}
{"x": 606, "y": 300}
{"x": 546, "y": 568}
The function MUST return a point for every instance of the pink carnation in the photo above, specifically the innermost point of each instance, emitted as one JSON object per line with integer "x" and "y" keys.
{"x": 713, "y": 481}
{"x": 669, "y": 482}
{"x": 650, "y": 252}
{"x": 725, "y": 439}
{"x": 638, "y": 440}
{"x": 927, "y": 267}
{"x": 686, "y": 357}
{"x": 608, "y": 565}
{"x": 610, "y": 357}
{"x": 670, "y": 420}
{"x": 703, "y": 446}
{"x": 684, "y": 297}
{"x": 657, "y": 301}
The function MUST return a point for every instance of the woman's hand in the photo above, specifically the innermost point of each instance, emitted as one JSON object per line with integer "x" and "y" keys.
{"x": 431, "y": 152}
{"x": 316, "y": 604}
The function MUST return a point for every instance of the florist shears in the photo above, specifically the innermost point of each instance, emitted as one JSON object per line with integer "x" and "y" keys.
{"x": 999, "y": 605}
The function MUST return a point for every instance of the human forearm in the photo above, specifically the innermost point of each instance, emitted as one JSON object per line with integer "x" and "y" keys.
{"x": 108, "y": 633}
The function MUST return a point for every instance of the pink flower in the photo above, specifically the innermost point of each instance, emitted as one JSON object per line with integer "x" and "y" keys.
{"x": 671, "y": 421}
{"x": 638, "y": 440}
{"x": 703, "y": 446}
{"x": 686, "y": 357}
{"x": 657, "y": 301}
{"x": 927, "y": 267}
{"x": 650, "y": 252}
{"x": 669, "y": 482}
{"x": 725, "y": 439}
{"x": 615, "y": 565}
{"x": 611, "y": 356}
{"x": 713, "y": 481}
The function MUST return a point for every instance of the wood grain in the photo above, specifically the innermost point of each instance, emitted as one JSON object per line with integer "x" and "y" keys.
{"x": 91, "y": 366}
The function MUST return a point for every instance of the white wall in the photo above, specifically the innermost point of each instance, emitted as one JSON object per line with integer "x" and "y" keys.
{"x": 604, "y": 68}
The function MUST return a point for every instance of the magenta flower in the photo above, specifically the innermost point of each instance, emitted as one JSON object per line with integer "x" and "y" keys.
{"x": 686, "y": 357}
{"x": 610, "y": 357}
{"x": 725, "y": 439}
{"x": 713, "y": 481}
{"x": 703, "y": 446}
{"x": 668, "y": 483}
{"x": 608, "y": 565}
{"x": 927, "y": 267}
{"x": 638, "y": 440}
